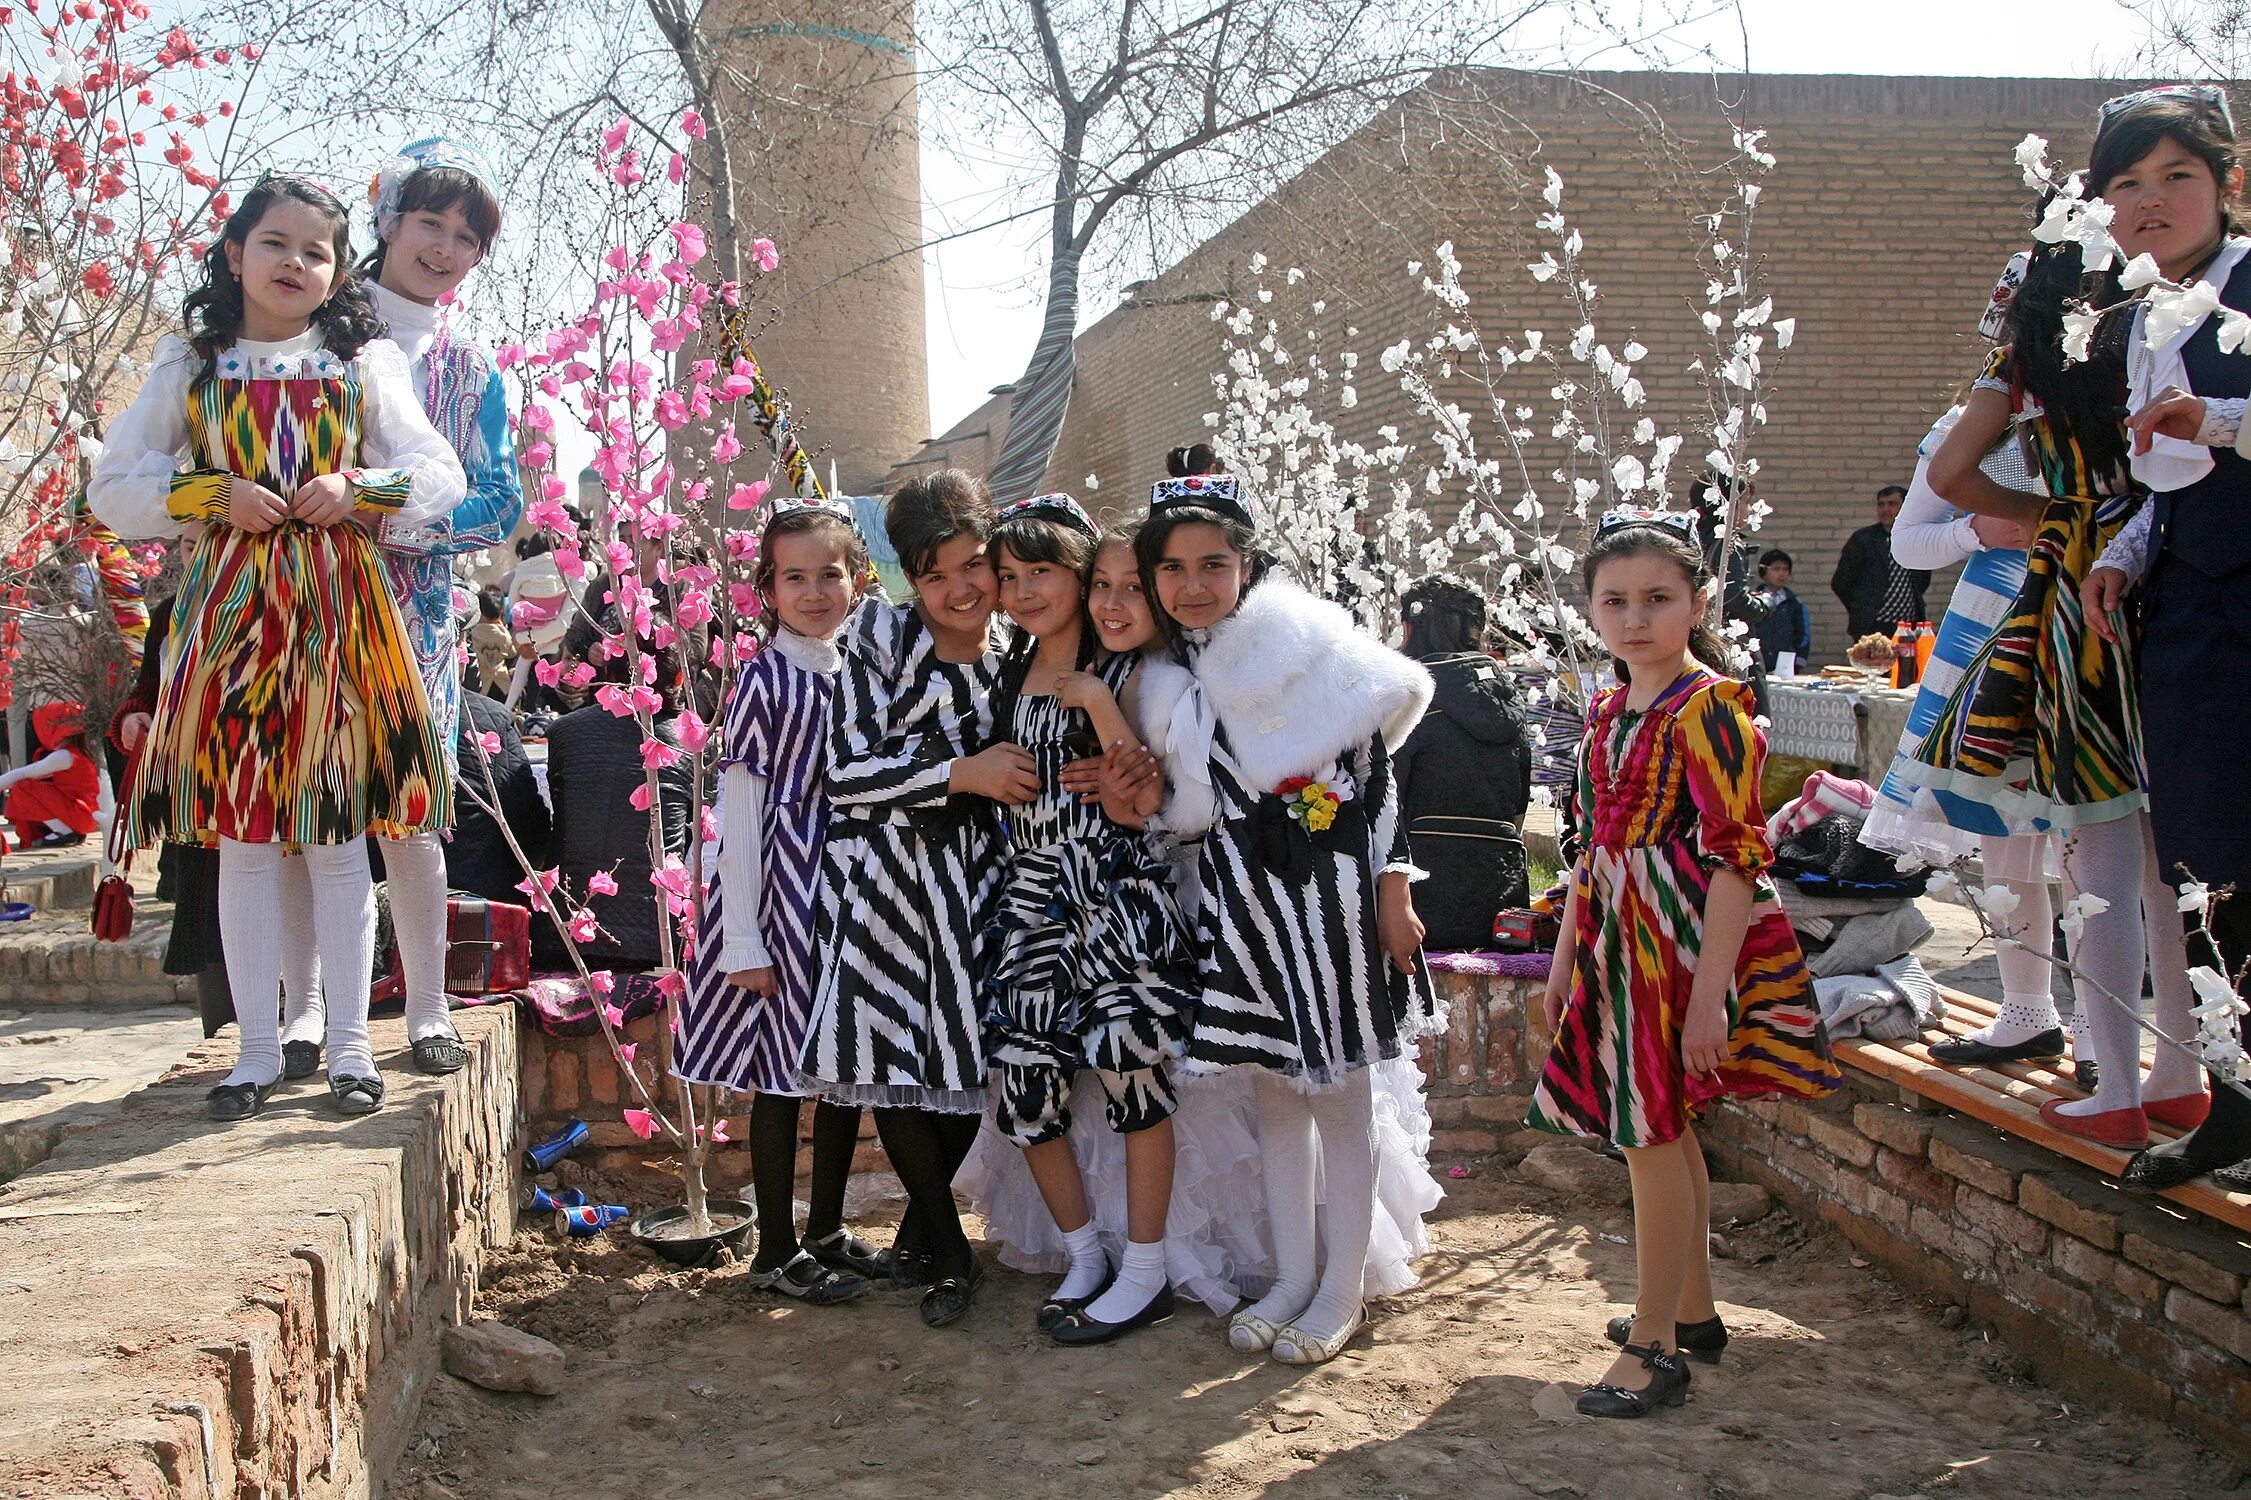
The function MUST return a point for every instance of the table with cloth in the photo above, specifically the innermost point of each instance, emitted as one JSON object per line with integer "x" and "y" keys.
{"x": 1849, "y": 724}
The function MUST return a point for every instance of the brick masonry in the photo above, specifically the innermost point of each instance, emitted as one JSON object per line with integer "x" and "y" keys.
{"x": 1881, "y": 230}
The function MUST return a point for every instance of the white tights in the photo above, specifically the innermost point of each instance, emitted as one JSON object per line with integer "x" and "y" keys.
{"x": 341, "y": 897}
{"x": 1340, "y": 1124}
{"x": 2028, "y": 1004}
{"x": 414, "y": 871}
{"x": 2118, "y": 862}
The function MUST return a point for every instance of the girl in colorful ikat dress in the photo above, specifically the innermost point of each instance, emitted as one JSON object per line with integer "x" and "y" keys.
{"x": 436, "y": 215}
{"x": 911, "y": 868}
{"x": 1677, "y": 979}
{"x": 1086, "y": 957}
{"x": 1310, "y": 966}
{"x": 751, "y": 977}
{"x": 290, "y": 711}
{"x": 51, "y": 801}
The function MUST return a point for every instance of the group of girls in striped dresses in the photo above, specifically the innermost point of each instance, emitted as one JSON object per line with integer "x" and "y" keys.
{"x": 2048, "y": 744}
{"x": 1073, "y": 868}
{"x": 305, "y": 697}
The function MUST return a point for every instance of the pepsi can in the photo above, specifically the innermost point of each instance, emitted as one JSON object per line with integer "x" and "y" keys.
{"x": 541, "y": 1201}
{"x": 542, "y": 1157}
{"x": 585, "y": 1220}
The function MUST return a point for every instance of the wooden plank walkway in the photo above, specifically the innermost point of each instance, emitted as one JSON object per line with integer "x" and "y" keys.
{"x": 2008, "y": 1097}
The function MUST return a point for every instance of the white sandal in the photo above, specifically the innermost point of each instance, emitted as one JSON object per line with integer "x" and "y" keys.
{"x": 1294, "y": 1346}
{"x": 1248, "y": 1333}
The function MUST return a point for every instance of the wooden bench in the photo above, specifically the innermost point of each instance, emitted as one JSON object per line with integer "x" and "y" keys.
{"x": 2008, "y": 1096}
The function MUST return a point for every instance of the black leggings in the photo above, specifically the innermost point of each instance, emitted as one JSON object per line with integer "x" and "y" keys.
{"x": 926, "y": 1149}
{"x": 774, "y": 1122}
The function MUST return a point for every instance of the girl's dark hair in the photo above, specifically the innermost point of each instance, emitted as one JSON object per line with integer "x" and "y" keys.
{"x": 532, "y": 544}
{"x": 925, "y": 513}
{"x": 1704, "y": 643}
{"x": 801, "y": 523}
{"x": 1191, "y": 458}
{"x": 2081, "y": 399}
{"x": 2194, "y": 124}
{"x": 1149, "y": 550}
{"x": 1448, "y": 616}
{"x": 434, "y": 190}
{"x": 489, "y": 603}
{"x": 347, "y": 320}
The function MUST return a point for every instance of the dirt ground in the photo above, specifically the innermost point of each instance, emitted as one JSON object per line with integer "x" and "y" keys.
{"x": 1836, "y": 1385}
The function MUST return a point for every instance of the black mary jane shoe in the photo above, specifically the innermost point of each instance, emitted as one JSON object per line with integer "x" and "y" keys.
{"x": 2085, "y": 1074}
{"x": 806, "y": 1279}
{"x": 1704, "y": 1341}
{"x": 440, "y": 1055}
{"x": 355, "y": 1096}
{"x": 1668, "y": 1386}
{"x": 1055, "y": 1309}
{"x": 299, "y": 1060}
{"x": 236, "y": 1101}
{"x": 911, "y": 1268}
{"x": 1082, "y": 1327}
{"x": 842, "y": 1250}
{"x": 948, "y": 1299}
{"x": 2157, "y": 1168}
{"x": 1961, "y": 1052}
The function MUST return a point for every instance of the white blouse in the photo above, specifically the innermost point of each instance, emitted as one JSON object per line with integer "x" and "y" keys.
{"x": 149, "y": 443}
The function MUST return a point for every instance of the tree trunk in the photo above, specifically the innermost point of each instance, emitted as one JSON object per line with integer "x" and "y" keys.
{"x": 1043, "y": 394}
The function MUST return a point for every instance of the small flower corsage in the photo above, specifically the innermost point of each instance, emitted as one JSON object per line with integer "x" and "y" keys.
{"x": 1315, "y": 803}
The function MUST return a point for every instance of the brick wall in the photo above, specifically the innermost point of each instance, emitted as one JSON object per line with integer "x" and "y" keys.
{"x": 1881, "y": 230}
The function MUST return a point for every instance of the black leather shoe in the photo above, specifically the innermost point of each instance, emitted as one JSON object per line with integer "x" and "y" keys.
{"x": 1704, "y": 1341}
{"x": 1961, "y": 1052}
{"x": 299, "y": 1060}
{"x": 1668, "y": 1386}
{"x": 911, "y": 1268}
{"x": 842, "y": 1250}
{"x": 2157, "y": 1168}
{"x": 2086, "y": 1074}
{"x": 440, "y": 1055}
{"x": 1055, "y": 1309}
{"x": 1082, "y": 1327}
{"x": 949, "y": 1298}
{"x": 236, "y": 1101}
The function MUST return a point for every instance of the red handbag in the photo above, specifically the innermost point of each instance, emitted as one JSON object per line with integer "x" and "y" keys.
{"x": 488, "y": 950}
{"x": 113, "y": 898}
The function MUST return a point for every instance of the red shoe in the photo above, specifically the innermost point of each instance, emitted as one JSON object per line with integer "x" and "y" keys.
{"x": 2127, "y": 1129}
{"x": 2184, "y": 1112}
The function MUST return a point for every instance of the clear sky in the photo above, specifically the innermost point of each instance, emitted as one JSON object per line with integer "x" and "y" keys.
{"x": 983, "y": 290}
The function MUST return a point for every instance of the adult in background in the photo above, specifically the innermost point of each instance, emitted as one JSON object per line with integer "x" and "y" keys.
{"x": 1465, "y": 774}
{"x": 478, "y": 859}
{"x": 1876, "y": 591}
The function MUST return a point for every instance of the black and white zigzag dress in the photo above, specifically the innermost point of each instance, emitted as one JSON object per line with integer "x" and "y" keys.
{"x": 908, "y": 875}
{"x": 1294, "y": 979}
{"x": 1087, "y": 956}
{"x": 777, "y": 728}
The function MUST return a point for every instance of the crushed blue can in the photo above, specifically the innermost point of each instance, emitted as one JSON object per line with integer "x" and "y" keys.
{"x": 542, "y": 1157}
{"x": 585, "y": 1220}
{"x": 542, "y": 1201}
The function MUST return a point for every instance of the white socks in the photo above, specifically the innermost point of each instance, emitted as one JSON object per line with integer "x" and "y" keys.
{"x": 249, "y": 897}
{"x": 2028, "y": 1004}
{"x": 1088, "y": 1264}
{"x": 344, "y": 927}
{"x": 1345, "y": 1116}
{"x": 2118, "y": 862}
{"x": 303, "y": 1017}
{"x": 1285, "y": 1140}
{"x": 415, "y": 871}
{"x": 1139, "y": 1280}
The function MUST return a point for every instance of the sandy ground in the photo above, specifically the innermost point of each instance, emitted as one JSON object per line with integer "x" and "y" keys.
{"x": 1836, "y": 1385}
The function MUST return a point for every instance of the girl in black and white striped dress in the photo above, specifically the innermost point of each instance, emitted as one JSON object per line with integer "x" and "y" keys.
{"x": 912, "y": 862}
{"x": 1088, "y": 969}
{"x": 1309, "y": 940}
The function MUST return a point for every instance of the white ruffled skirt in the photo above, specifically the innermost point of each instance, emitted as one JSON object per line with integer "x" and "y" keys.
{"x": 1219, "y": 1246}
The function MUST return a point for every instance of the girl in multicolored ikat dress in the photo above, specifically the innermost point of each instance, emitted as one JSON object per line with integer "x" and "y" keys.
{"x": 1677, "y": 980}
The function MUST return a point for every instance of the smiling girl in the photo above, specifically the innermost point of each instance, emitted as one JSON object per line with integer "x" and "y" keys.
{"x": 751, "y": 979}
{"x": 290, "y": 711}
{"x": 912, "y": 863}
{"x": 1677, "y": 980}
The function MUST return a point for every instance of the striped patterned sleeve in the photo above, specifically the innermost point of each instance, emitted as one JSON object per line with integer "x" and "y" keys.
{"x": 1387, "y": 831}
{"x": 873, "y": 762}
{"x": 1722, "y": 754}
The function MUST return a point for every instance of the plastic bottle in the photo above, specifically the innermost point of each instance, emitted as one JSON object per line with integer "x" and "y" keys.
{"x": 1926, "y": 641}
{"x": 1903, "y": 674}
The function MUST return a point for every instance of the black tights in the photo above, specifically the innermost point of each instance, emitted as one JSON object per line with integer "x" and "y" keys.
{"x": 926, "y": 1149}
{"x": 773, "y": 1171}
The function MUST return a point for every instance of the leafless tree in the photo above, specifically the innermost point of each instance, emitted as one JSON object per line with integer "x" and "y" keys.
{"x": 2203, "y": 38}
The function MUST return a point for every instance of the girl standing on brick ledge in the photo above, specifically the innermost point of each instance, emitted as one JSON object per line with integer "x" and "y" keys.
{"x": 1677, "y": 980}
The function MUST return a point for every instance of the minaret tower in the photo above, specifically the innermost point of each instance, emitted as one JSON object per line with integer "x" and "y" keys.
{"x": 827, "y": 164}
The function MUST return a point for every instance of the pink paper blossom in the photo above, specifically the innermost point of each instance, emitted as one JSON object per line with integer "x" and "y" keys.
{"x": 548, "y": 672}
{"x": 489, "y": 743}
{"x": 694, "y": 732}
{"x": 748, "y": 496}
{"x": 690, "y": 239}
{"x": 719, "y": 1129}
{"x": 601, "y": 883}
{"x": 612, "y": 1014}
{"x": 639, "y": 800}
{"x": 656, "y": 755}
{"x": 764, "y": 255}
{"x": 628, "y": 1051}
{"x": 583, "y": 926}
{"x": 691, "y": 124}
{"x": 601, "y": 981}
{"x": 641, "y": 1123}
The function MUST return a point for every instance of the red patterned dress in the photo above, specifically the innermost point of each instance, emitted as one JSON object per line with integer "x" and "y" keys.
{"x": 1668, "y": 795}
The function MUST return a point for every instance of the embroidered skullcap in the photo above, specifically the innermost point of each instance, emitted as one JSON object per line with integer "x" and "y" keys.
{"x": 1055, "y": 507}
{"x": 1680, "y": 522}
{"x": 389, "y": 186}
{"x": 790, "y": 505}
{"x": 1213, "y": 492}
{"x": 1995, "y": 322}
